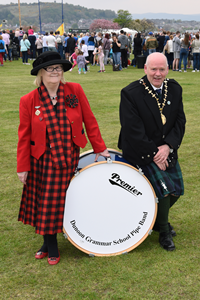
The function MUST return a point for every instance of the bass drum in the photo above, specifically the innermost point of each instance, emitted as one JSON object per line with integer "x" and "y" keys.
{"x": 88, "y": 157}
{"x": 110, "y": 209}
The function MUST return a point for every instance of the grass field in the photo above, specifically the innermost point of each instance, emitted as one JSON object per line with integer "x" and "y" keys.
{"x": 148, "y": 272}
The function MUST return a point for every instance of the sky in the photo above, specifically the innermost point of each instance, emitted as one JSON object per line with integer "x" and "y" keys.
{"x": 144, "y": 6}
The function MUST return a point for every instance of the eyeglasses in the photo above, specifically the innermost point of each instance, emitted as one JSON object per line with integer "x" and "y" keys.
{"x": 51, "y": 69}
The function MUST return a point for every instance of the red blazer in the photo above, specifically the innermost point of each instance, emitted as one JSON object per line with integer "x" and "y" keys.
{"x": 32, "y": 128}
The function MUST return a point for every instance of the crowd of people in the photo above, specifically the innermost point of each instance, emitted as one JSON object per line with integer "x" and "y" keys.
{"x": 176, "y": 47}
{"x": 100, "y": 49}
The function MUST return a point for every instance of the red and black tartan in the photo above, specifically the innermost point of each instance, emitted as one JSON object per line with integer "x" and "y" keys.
{"x": 43, "y": 197}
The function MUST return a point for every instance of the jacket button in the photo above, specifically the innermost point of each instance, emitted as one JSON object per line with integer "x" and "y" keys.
{"x": 142, "y": 157}
{"x": 72, "y": 122}
{"x": 74, "y": 136}
{"x": 148, "y": 155}
{"x": 154, "y": 153}
{"x": 163, "y": 136}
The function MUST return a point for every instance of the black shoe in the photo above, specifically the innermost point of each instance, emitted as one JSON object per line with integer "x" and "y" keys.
{"x": 166, "y": 241}
{"x": 156, "y": 227}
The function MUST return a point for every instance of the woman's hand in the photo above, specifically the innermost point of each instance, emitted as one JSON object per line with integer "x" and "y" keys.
{"x": 105, "y": 153}
{"x": 22, "y": 176}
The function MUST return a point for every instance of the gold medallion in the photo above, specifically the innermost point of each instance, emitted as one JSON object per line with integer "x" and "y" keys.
{"x": 37, "y": 112}
{"x": 163, "y": 118}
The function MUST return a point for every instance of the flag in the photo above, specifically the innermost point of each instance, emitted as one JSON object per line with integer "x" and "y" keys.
{"x": 61, "y": 29}
{"x": 1, "y": 25}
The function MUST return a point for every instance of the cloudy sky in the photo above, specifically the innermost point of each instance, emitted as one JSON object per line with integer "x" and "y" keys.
{"x": 145, "y": 6}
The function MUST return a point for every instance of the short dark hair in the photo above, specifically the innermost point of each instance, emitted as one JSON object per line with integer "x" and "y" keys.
{"x": 82, "y": 42}
{"x": 122, "y": 31}
{"x": 51, "y": 32}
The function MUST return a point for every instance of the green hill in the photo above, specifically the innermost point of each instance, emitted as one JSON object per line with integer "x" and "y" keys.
{"x": 51, "y": 13}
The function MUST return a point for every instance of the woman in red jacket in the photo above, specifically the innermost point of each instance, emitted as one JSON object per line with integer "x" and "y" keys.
{"x": 50, "y": 136}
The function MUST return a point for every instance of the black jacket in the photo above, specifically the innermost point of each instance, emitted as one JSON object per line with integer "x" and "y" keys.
{"x": 142, "y": 130}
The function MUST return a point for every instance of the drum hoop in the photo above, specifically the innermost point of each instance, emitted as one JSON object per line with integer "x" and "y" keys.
{"x": 141, "y": 240}
{"x": 92, "y": 152}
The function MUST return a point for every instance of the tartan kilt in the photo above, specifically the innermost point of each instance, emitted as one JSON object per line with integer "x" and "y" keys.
{"x": 43, "y": 198}
{"x": 165, "y": 182}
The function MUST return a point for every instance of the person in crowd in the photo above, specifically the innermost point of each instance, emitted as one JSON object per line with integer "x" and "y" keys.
{"x": 76, "y": 39}
{"x": 50, "y": 136}
{"x": 30, "y": 30}
{"x": 39, "y": 45}
{"x": 137, "y": 46}
{"x": 51, "y": 42}
{"x": 79, "y": 40}
{"x": 81, "y": 61}
{"x": 32, "y": 39}
{"x": 176, "y": 51}
{"x": 21, "y": 34}
{"x": 151, "y": 43}
{"x": 124, "y": 47}
{"x": 95, "y": 58}
{"x": 59, "y": 42}
{"x": 17, "y": 32}
{"x": 168, "y": 51}
{"x": 85, "y": 38}
{"x": 73, "y": 58}
{"x": 91, "y": 47}
{"x": 184, "y": 52}
{"x": 106, "y": 48}
{"x": 167, "y": 36}
{"x": 25, "y": 45}
{"x": 116, "y": 52}
{"x": 45, "y": 46}
{"x": 6, "y": 39}
{"x": 71, "y": 44}
{"x": 161, "y": 42}
{"x": 3, "y": 50}
{"x": 196, "y": 53}
{"x": 84, "y": 49}
{"x": 101, "y": 56}
{"x": 152, "y": 117}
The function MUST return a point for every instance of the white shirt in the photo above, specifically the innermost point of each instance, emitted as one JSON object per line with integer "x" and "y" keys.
{"x": 51, "y": 41}
{"x": 84, "y": 50}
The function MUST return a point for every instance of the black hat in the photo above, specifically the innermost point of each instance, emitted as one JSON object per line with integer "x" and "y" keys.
{"x": 49, "y": 58}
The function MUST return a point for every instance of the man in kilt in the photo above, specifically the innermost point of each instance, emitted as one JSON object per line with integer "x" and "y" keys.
{"x": 152, "y": 128}
{"x": 50, "y": 136}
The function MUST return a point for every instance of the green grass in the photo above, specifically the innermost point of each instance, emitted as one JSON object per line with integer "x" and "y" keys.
{"x": 148, "y": 272}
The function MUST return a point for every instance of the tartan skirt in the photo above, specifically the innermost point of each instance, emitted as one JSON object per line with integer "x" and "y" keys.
{"x": 165, "y": 182}
{"x": 43, "y": 198}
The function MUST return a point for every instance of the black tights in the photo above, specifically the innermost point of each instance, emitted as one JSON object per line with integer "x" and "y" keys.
{"x": 50, "y": 245}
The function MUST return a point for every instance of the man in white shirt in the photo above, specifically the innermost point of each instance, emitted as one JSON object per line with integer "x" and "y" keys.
{"x": 51, "y": 42}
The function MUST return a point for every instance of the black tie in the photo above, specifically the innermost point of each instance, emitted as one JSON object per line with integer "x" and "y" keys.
{"x": 159, "y": 93}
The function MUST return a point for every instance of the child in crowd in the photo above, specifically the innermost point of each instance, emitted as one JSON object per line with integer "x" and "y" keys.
{"x": 73, "y": 58}
{"x": 101, "y": 57}
{"x": 81, "y": 61}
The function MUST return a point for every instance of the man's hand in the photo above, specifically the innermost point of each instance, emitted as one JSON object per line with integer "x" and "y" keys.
{"x": 162, "y": 154}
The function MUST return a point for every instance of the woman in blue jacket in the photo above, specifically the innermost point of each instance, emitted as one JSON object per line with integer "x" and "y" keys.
{"x": 2, "y": 50}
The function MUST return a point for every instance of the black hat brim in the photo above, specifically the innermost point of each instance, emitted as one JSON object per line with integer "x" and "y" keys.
{"x": 65, "y": 63}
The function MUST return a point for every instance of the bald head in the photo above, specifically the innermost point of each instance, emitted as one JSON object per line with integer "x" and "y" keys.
{"x": 156, "y": 68}
{"x": 156, "y": 56}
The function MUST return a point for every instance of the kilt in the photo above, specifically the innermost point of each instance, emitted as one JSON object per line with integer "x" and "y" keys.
{"x": 165, "y": 182}
{"x": 43, "y": 198}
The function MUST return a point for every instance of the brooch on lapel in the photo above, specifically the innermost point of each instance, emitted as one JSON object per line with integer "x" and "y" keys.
{"x": 71, "y": 100}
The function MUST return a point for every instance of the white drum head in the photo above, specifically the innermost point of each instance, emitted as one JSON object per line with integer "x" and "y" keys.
{"x": 110, "y": 209}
